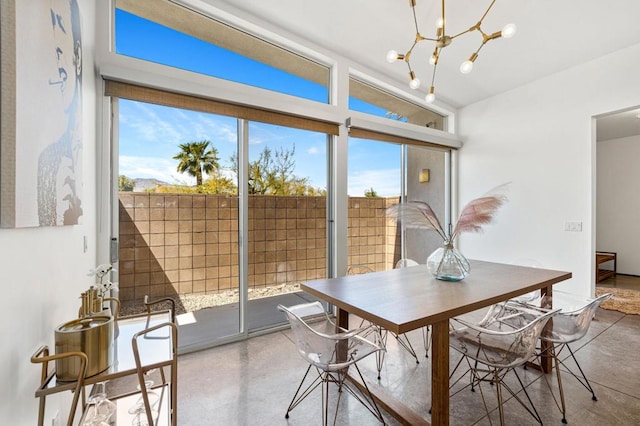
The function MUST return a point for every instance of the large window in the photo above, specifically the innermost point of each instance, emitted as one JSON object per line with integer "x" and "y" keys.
{"x": 260, "y": 221}
{"x": 174, "y": 36}
{"x": 364, "y": 97}
{"x": 382, "y": 174}
{"x": 184, "y": 209}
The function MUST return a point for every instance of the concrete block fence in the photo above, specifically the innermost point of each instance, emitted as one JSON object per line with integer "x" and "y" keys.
{"x": 187, "y": 244}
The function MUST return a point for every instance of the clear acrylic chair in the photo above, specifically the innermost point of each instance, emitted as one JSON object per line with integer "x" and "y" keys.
{"x": 494, "y": 349}
{"x": 570, "y": 325}
{"x": 332, "y": 351}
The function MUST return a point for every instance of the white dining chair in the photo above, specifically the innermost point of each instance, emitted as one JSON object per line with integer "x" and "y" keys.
{"x": 494, "y": 349}
{"x": 331, "y": 351}
{"x": 570, "y": 325}
{"x": 575, "y": 315}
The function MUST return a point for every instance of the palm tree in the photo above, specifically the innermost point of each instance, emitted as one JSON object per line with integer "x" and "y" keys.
{"x": 196, "y": 159}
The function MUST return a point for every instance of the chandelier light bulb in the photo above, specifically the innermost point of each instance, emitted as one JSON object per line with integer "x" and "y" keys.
{"x": 466, "y": 67}
{"x": 430, "y": 96}
{"x": 509, "y": 30}
{"x": 392, "y": 56}
{"x": 440, "y": 23}
{"x": 415, "y": 83}
{"x": 432, "y": 60}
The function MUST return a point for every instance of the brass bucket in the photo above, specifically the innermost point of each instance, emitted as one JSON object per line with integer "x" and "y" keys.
{"x": 91, "y": 335}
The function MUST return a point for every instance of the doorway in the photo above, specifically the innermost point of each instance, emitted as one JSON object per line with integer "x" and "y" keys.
{"x": 617, "y": 180}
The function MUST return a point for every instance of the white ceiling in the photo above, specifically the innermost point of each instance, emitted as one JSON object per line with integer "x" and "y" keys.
{"x": 552, "y": 35}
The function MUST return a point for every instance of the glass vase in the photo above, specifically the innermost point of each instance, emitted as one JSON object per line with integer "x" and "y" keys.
{"x": 448, "y": 264}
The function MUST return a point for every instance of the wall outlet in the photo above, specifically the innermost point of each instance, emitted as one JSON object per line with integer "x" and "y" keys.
{"x": 573, "y": 226}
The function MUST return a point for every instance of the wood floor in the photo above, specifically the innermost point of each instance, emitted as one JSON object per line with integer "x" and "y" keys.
{"x": 629, "y": 282}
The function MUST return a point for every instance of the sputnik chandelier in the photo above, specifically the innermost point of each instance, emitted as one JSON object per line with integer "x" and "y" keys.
{"x": 443, "y": 40}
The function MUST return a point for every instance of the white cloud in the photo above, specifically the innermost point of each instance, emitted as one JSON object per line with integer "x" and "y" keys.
{"x": 153, "y": 168}
{"x": 386, "y": 182}
{"x": 149, "y": 125}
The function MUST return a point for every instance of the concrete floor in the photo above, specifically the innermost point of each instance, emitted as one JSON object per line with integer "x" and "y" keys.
{"x": 252, "y": 382}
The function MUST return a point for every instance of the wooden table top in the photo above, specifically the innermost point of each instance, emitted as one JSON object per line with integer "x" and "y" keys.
{"x": 404, "y": 299}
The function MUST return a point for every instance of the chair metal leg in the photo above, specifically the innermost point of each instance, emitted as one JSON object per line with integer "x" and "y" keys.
{"x": 563, "y": 408}
{"x": 498, "y": 387}
{"x": 403, "y": 340}
{"x": 426, "y": 336}
{"x": 298, "y": 397}
{"x": 382, "y": 339}
{"x": 325, "y": 379}
{"x": 586, "y": 383}
{"x": 533, "y": 410}
{"x": 582, "y": 380}
{"x": 325, "y": 401}
{"x": 495, "y": 377}
{"x": 367, "y": 398}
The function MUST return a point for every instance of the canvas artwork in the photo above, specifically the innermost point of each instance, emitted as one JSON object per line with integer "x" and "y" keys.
{"x": 42, "y": 169}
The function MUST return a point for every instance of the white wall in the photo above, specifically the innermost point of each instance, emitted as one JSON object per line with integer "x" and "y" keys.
{"x": 44, "y": 270}
{"x": 540, "y": 138}
{"x": 619, "y": 201}
{"x": 421, "y": 243}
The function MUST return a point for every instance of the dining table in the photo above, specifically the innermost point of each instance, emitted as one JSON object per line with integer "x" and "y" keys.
{"x": 405, "y": 299}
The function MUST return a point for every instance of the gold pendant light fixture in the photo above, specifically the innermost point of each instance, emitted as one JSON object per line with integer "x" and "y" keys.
{"x": 441, "y": 41}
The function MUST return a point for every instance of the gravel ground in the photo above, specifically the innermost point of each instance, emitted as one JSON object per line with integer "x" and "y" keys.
{"x": 195, "y": 302}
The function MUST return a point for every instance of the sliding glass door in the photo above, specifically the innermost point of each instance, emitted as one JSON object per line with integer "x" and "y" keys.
{"x": 181, "y": 222}
{"x": 287, "y": 218}
{"x": 381, "y": 174}
{"x": 178, "y": 216}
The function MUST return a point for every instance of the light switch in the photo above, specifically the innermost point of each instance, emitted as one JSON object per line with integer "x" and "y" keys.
{"x": 573, "y": 226}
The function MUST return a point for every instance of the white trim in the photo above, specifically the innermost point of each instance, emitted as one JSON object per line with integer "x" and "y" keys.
{"x": 437, "y": 107}
{"x": 242, "y": 141}
{"x": 400, "y": 129}
{"x": 594, "y": 204}
{"x": 144, "y": 73}
{"x": 262, "y": 30}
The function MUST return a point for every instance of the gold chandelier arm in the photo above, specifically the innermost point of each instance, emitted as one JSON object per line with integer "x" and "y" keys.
{"x": 410, "y": 69}
{"x": 419, "y": 37}
{"x": 433, "y": 76}
{"x": 407, "y": 56}
{"x": 475, "y": 27}
{"x": 443, "y": 21}
{"x": 415, "y": 19}
{"x": 486, "y": 12}
{"x": 487, "y": 37}
{"x": 436, "y": 56}
{"x": 475, "y": 54}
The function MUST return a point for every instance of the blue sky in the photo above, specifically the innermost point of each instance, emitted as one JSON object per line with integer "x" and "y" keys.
{"x": 149, "y": 134}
